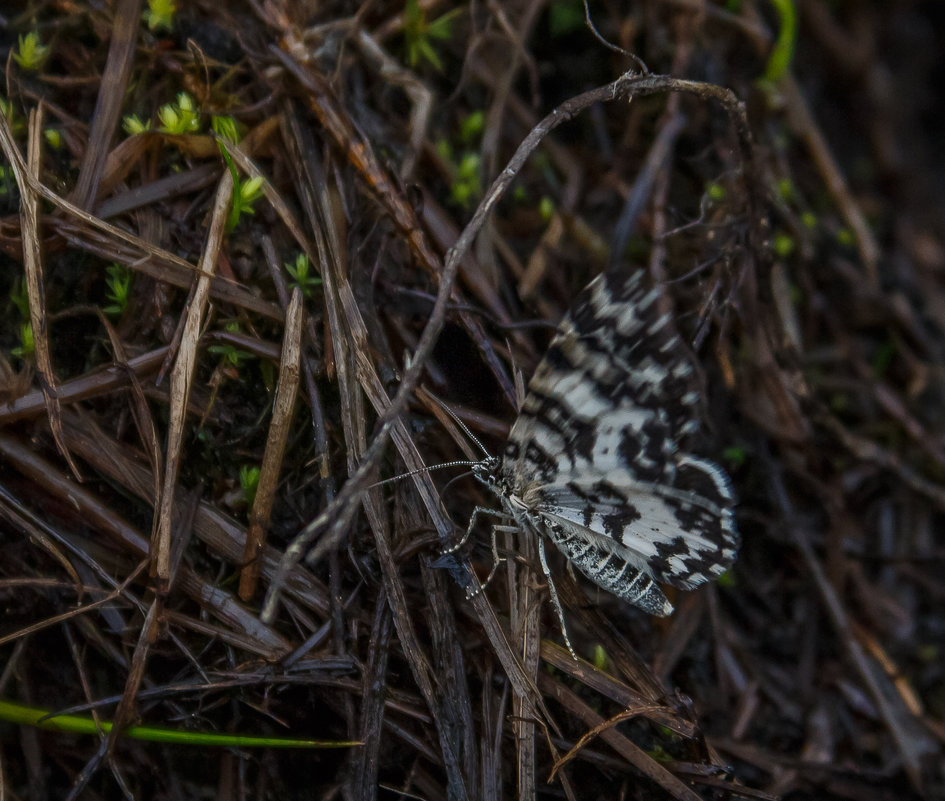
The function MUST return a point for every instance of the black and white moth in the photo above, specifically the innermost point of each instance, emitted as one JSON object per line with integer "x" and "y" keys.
{"x": 596, "y": 460}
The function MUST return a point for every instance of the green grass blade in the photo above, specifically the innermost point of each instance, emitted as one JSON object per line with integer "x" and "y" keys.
{"x": 75, "y": 724}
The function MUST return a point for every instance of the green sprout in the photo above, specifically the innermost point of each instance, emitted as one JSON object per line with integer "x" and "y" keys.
{"x": 779, "y": 62}
{"x": 182, "y": 117}
{"x": 546, "y": 208}
{"x": 31, "y": 52}
{"x": 419, "y": 34}
{"x": 245, "y": 195}
{"x": 715, "y": 192}
{"x": 470, "y": 129}
{"x": 132, "y": 125}
{"x": 21, "y": 299}
{"x": 599, "y": 658}
{"x": 119, "y": 284}
{"x": 249, "y": 482}
{"x": 444, "y": 149}
{"x": 15, "y": 120}
{"x": 160, "y": 15}
{"x": 53, "y": 138}
{"x": 231, "y": 355}
{"x": 465, "y": 187}
{"x": 845, "y": 237}
{"x": 27, "y": 346}
{"x": 226, "y": 128}
{"x": 301, "y": 277}
{"x": 463, "y": 163}
{"x": 783, "y": 244}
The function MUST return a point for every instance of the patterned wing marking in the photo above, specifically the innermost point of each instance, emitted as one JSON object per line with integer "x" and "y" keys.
{"x": 597, "y": 559}
{"x": 682, "y": 534}
{"x": 612, "y": 356}
{"x": 615, "y": 336}
{"x": 623, "y": 437}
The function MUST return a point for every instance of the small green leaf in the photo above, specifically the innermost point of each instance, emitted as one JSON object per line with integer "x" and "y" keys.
{"x": 425, "y": 49}
{"x": 119, "y": 285}
{"x": 245, "y": 194}
{"x": 783, "y": 244}
{"x": 232, "y": 355}
{"x": 599, "y": 658}
{"x": 472, "y": 125}
{"x": 251, "y": 190}
{"x": 21, "y": 299}
{"x": 444, "y": 150}
{"x": 441, "y": 27}
{"x": 132, "y": 125}
{"x": 160, "y": 15}
{"x": 226, "y": 128}
{"x": 170, "y": 119}
{"x": 27, "y": 346}
{"x": 715, "y": 192}
{"x": 16, "y": 121}
{"x": 31, "y": 52}
{"x": 249, "y": 482}
{"x": 300, "y": 272}
{"x": 179, "y": 118}
{"x": 466, "y": 185}
{"x": 418, "y": 33}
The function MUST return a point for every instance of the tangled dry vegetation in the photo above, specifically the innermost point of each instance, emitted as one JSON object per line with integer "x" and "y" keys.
{"x": 246, "y": 251}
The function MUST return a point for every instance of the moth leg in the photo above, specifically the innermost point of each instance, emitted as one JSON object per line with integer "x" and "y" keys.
{"x": 554, "y": 596}
{"x": 479, "y": 510}
{"x": 496, "y": 559}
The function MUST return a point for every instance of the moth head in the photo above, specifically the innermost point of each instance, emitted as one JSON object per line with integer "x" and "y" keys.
{"x": 486, "y": 470}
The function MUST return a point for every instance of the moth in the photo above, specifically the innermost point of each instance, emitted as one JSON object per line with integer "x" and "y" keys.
{"x": 596, "y": 461}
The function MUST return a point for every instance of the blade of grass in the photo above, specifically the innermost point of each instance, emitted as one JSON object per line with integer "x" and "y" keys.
{"x": 76, "y": 724}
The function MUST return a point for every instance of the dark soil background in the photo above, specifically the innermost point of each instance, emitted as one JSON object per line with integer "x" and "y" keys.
{"x": 779, "y": 175}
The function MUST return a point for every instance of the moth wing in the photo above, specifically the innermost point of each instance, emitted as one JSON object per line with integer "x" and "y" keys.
{"x": 682, "y": 533}
{"x": 614, "y": 368}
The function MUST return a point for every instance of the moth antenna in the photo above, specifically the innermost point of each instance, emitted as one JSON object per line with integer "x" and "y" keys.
{"x": 465, "y": 429}
{"x": 430, "y": 469}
